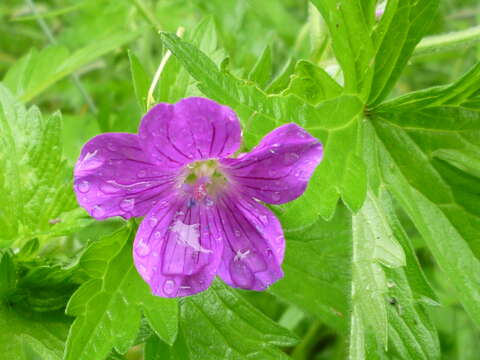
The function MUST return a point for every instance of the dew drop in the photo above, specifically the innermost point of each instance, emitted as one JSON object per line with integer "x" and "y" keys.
{"x": 290, "y": 158}
{"x": 276, "y": 196}
{"x": 169, "y": 286}
{"x": 142, "y": 248}
{"x": 83, "y": 187}
{"x": 97, "y": 211}
{"x": 127, "y": 204}
{"x": 153, "y": 221}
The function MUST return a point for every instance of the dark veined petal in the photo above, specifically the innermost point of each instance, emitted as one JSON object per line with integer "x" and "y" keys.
{"x": 178, "y": 248}
{"x": 114, "y": 177}
{"x": 254, "y": 244}
{"x": 279, "y": 168}
{"x": 192, "y": 129}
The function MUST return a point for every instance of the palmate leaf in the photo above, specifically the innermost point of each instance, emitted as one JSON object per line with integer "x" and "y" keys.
{"x": 334, "y": 121}
{"x": 34, "y": 181}
{"x": 108, "y": 308}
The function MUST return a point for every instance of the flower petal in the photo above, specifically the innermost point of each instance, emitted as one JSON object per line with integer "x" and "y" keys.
{"x": 113, "y": 177}
{"x": 279, "y": 168}
{"x": 254, "y": 243}
{"x": 178, "y": 248}
{"x": 192, "y": 129}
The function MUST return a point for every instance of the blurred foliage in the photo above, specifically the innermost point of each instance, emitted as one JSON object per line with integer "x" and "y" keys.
{"x": 246, "y": 29}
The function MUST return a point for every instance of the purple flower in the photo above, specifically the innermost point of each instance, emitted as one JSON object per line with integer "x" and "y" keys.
{"x": 201, "y": 208}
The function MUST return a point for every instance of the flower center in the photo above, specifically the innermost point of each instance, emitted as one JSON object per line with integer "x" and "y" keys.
{"x": 202, "y": 180}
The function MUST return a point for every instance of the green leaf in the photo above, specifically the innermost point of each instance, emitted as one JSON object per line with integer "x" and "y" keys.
{"x": 141, "y": 81}
{"x": 37, "y": 71}
{"x": 457, "y": 93}
{"x": 262, "y": 70}
{"x": 319, "y": 257}
{"x": 27, "y": 333}
{"x": 465, "y": 160}
{"x": 34, "y": 180}
{"x": 436, "y": 200}
{"x": 386, "y": 308}
{"x": 220, "y": 324}
{"x": 351, "y": 42}
{"x": 401, "y": 28}
{"x": 312, "y": 83}
{"x": 7, "y": 275}
{"x": 175, "y": 82}
{"x": 108, "y": 308}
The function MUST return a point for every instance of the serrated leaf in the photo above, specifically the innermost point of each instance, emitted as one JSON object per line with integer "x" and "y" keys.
{"x": 34, "y": 179}
{"x": 109, "y": 307}
{"x": 223, "y": 315}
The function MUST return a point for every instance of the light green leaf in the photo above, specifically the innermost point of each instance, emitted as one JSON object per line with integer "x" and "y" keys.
{"x": 312, "y": 83}
{"x": 385, "y": 307}
{"x": 34, "y": 180}
{"x": 317, "y": 269}
{"x": 108, "y": 308}
{"x": 401, "y": 28}
{"x": 437, "y": 201}
{"x": 34, "y": 73}
{"x": 141, "y": 81}
{"x": 42, "y": 334}
{"x": 465, "y": 160}
{"x": 262, "y": 70}
{"x": 211, "y": 324}
{"x": 351, "y": 42}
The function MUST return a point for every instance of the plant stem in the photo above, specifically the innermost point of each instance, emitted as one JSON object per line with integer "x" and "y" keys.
{"x": 147, "y": 14}
{"x": 76, "y": 80}
{"x": 156, "y": 77}
{"x": 448, "y": 42}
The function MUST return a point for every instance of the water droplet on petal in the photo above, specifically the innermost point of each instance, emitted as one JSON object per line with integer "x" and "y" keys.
{"x": 169, "y": 287}
{"x": 127, "y": 204}
{"x": 290, "y": 158}
{"x": 97, "y": 211}
{"x": 276, "y": 196}
{"x": 241, "y": 275}
{"x": 153, "y": 221}
{"x": 142, "y": 248}
{"x": 83, "y": 186}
